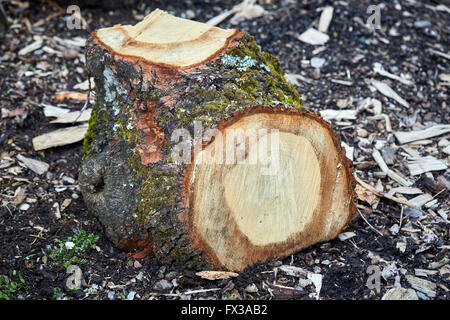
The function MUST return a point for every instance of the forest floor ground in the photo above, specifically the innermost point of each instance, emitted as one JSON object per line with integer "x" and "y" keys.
{"x": 410, "y": 248}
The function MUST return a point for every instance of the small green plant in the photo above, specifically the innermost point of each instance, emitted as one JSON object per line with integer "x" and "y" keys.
{"x": 57, "y": 292}
{"x": 8, "y": 286}
{"x": 68, "y": 252}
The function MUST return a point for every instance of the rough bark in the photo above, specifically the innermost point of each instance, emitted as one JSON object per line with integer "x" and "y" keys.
{"x": 3, "y": 20}
{"x": 144, "y": 199}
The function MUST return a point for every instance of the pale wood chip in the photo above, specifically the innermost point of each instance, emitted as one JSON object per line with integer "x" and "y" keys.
{"x": 384, "y": 89}
{"x": 325, "y": 19}
{"x": 400, "y": 294}
{"x": 60, "y": 137}
{"x": 39, "y": 167}
{"x": 425, "y": 164}
{"x": 72, "y": 117}
{"x": 313, "y": 37}
{"x": 346, "y": 235}
{"x": 378, "y": 68}
{"x": 405, "y": 137}
{"x": 391, "y": 174}
{"x": 293, "y": 271}
{"x": 331, "y": 114}
{"x": 215, "y": 275}
{"x": 425, "y": 286}
{"x": 52, "y": 111}
{"x": 405, "y": 190}
{"x": 31, "y": 47}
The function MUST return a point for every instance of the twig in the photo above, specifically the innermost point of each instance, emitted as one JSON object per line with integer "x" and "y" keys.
{"x": 371, "y": 227}
{"x": 200, "y": 291}
{"x": 385, "y": 195}
{"x": 87, "y": 100}
{"x": 353, "y": 243}
{"x": 401, "y": 218}
{"x": 447, "y": 56}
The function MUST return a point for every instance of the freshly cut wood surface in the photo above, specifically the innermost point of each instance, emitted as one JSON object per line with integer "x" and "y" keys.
{"x": 164, "y": 39}
{"x": 246, "y": 213}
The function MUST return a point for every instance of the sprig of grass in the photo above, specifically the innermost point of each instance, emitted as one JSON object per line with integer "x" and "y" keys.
{"x": 8, "y": 286}
{"x": 57, "y": 292}
{"x": 69, "y": 251}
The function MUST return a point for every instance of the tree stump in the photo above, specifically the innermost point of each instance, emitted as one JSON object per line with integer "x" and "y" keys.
{"x": 197, "y": 148}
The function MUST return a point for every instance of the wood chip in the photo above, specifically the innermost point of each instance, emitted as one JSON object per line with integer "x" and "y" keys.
{"x": 425, "y": 286}
{"x": 293, "y": 271}
{"x": 76, "y": 42}
{"x": 438, "y": 264}
{"x": 400, "y": 294}
{"x": 331, "y": 114}
{"x": 446, "y": 150}
{"x": 405, "y": 137}
{"x": 65, "y": 204}
{"x": 325, "y": 19}
{"x": 19, "y": 196}
{"x": 31, "y": 47}
{"x": 372, "y": 105}
{"x": 445, "y": 77}
{"x": 343, "y": 82}
{"x": 425, "y": 164}
{"x": 385, "y": 195}
{"x": 295, "y": 78}
{"x": 36, "y": 166}
{"x": 65, "y": 95}
{"x": 16, "y": 112}
{"x": 313, "y": 37}
{"x": 247, "y": 10}
{"x": 405, "y": 190}
{"x": 391, "y": 174}
{"x": 421, "y": 142}
{"x": 349, "y": 151}
{"x": 425, "y": 272}
{"x": 60, "y": 137}
{"x": 84, "y": 86}
{"x": 317, "y": 281}
{"x": 388, "y": 155}
{"x": 365, "y": 195}
{"x": 378, "y": 68}
{"x": 421, "y": 200}
{"x": 215, "y": 275}
{"x": 441, "y": 54}
{"x": 221, "y": 17}
{"x": 57, "y": 211}
{"x": 72, "y": 116}
{"x": 346, "y": 235}
{"x": 52, "y": 111}
{"x": 384, "y": 89}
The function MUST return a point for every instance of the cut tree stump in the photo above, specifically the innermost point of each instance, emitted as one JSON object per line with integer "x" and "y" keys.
{"x": 197, "y": 148}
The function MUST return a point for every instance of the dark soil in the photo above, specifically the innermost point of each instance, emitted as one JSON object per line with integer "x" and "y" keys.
{"x": 25, "y": 235}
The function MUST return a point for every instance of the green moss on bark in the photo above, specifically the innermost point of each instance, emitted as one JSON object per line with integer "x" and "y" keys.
{"x": 157, "y": 188}
{"x": 99, "y": 118}
{"x": 260, "y": 82}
